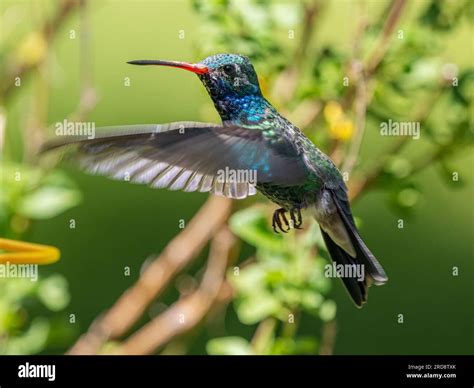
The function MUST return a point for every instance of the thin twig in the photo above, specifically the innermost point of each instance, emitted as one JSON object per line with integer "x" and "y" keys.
{"x": 362, "y": 25}
{"x": 286, "y": 83}
{"x": 357, "y": 187}
{"x": 178, "y": 253}
{"x": 48, "y": 32}
{"x": 328, "y": 338}
{"x": 88, "y": 98}
{"x": 434, "y": 156}
{"x": 361, "y": 102}
{"x": 310, "y": 13}
{"x": 378, "y": 54}
{"x": 263, "y": 335}
{"x": 189, "y": 311}
{"x": 363, "y": 79}
{"x": 3, "y": 125}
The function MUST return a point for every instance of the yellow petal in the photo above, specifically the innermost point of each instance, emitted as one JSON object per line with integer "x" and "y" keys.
{"x": 333, "y": 112}
{"x": 32, "y": 49}
{"x": 342, "y": 130}
{"x": 21, "y": 252}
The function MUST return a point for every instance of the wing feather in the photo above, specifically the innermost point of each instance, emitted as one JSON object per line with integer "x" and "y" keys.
{"x": 188, "y": 156}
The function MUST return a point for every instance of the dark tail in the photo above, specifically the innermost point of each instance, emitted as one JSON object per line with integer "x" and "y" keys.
{"x": 374, "y": 272}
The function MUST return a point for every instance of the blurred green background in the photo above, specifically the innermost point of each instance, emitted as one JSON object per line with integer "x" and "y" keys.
{"x": 119, "y": 224}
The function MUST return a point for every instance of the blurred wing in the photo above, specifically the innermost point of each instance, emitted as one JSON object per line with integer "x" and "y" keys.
{"x": 189, "y": 156}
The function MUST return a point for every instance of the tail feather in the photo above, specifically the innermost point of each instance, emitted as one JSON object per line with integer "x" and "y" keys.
{"x": 363, "y": 254}
{"x": 374, "y": 272}
{"x": 357, "y": 289}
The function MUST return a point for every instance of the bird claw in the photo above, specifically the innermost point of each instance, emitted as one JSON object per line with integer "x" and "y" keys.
{"x": 295, "y": 214}
{"x": 280, "y": 214}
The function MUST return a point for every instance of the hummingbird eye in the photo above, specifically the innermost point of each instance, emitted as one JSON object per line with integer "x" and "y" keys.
{"x": 228, "y": 69}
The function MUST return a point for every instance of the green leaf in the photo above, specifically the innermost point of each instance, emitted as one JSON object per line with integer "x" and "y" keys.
{"x": 285, "y": 15}
{"x": 14, "y": 290}
{"x": 316, "y": 279}
{"x": 306, "y": 345}
{"x": 299, "y": 346}
{"x": 408, "y": 197}
{"x": 258, "y": 307}
{"x": 311, "y": 300}
{"x": 252, "y": 226}
{"x": 53, "y": 292}
{"x": 47, "y": 202}
{"x": 289, "y": 295}
{"x": 399, "y": 167}
{"x": 31, "y": 342}
{"x": 327, "y": 311}
{"x": 229, "y": 346}
{"x": 249, "y": 280}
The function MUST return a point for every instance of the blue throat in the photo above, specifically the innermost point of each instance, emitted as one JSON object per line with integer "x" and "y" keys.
{"x": 248, "y": 109}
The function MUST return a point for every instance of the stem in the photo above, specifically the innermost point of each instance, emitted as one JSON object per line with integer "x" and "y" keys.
{"x": 185, "y": 314}
{"x": 178, "y": 253}
{"x": 290, "y": 329}
{"x": 263, "y": 335}
{"x": 286, "y": 84}
{"x": 387, "y": 33}
{"x": 328, "y": 338}
{"x": 48, "y": 31}
{"x": 358, "y": 187}
{"x": 360, "y": 110}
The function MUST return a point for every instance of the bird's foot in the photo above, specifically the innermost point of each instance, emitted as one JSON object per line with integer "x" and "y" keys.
{"x": 296, "y": 219}
{"x": 278, "y": 216}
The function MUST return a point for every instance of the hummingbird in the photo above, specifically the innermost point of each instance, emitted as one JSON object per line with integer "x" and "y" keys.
{"x": 289, "y": 169}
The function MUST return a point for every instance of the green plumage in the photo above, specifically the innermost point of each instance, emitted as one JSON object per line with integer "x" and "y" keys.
{"x": 253, "y": 137}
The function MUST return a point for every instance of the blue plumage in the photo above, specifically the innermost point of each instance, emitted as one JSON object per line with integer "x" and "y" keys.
{"x": 290, "y": 169}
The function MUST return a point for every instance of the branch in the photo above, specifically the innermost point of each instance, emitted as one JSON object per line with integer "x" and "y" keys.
{"x": 88, "y": 96}
{"x": 263, "y": 335}
{"x": 310, "y": 12}
{"x": 178, "y": 253}
{"x": 328, "y": 339}
{"x": 387, "y": 33}
{"x": 434, "y": 156}
{"x": 185, "y": 314}
{"x": 361, "y": 103}
{"x": 3, "y": 125}
{"x": 361, "y": 99}
{"x": 285, "y": 85}
{"x": 363, "y": 79}
{"x": 357, "y": 187}
{"x": 88, "y": 99}
{"x": 48, "y": 31}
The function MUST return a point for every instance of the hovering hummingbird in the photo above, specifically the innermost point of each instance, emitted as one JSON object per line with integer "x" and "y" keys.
{"x": 253, "y": 136}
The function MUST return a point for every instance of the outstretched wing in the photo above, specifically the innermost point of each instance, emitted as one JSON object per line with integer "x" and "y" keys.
{"x": 189, "y": 156}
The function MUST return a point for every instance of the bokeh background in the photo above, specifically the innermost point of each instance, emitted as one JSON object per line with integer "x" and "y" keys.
{"x": 75, "y": 68}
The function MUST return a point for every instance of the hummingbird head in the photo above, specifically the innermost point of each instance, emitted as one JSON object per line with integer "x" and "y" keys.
{"x": 228, "y": 78}
{"x": 229, "y": 75}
